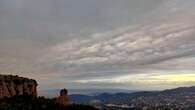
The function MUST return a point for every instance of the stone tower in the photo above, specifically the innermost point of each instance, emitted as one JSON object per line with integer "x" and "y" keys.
{"x": 63, "y": 98}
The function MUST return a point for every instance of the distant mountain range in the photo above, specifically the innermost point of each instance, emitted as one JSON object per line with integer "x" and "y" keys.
{"x": 88, "y": 92}
{"x": 123, "y": 98}
{"x": 127, "y": 98}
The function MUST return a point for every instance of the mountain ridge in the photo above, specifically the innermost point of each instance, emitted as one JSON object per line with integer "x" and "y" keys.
{"x": 126, "y": 97}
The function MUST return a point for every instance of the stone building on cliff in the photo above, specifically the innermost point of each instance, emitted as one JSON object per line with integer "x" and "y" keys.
{"x": 15, "y": 86}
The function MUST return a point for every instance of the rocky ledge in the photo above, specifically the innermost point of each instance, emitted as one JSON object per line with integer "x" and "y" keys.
{"x": 14, "y": 86}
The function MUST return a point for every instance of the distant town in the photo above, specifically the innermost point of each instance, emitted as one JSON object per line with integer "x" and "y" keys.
{"x": 174, "y": 99}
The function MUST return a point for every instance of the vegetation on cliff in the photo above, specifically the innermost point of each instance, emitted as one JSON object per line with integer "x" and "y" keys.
{"x": 26, "y": 102}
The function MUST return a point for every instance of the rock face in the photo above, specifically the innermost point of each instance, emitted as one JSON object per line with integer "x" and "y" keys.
{"x": 14, "y": 86}
{"x": 63, "y": 98}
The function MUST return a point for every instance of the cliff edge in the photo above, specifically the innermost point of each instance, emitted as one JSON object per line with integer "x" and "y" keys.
{"x": 14, "y": 86}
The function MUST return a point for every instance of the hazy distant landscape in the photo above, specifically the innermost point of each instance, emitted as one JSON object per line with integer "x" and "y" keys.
{"x": 179, "y": 98}
{"x": 91, "y": 92}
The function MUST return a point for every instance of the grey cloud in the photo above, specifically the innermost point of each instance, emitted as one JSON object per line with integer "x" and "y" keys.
{"x": 64, "y": 16}
{"x": 130, "y": 48}
{"x": 73, "y": 39}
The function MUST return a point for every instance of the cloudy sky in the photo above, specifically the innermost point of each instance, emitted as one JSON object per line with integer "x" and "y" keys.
{"x": 125, "y": 44}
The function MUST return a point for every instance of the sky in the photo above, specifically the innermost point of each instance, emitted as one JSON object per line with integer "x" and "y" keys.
{"x": 124, "y": 44}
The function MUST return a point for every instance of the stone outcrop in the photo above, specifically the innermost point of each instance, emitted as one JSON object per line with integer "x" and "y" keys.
{"x": 15, "y": 85}
{"x": 63, "y": 98}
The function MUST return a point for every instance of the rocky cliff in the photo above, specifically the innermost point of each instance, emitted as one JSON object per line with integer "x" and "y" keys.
{"x": 15, "y": 86}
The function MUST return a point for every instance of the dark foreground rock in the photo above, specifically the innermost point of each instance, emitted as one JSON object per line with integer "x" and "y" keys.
{"x": 37, "y": 103}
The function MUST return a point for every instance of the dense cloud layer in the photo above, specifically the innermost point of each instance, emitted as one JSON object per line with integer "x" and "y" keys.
{"x": 69, "y": 41}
